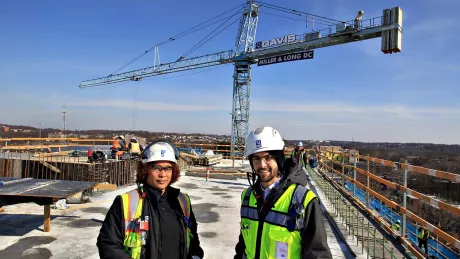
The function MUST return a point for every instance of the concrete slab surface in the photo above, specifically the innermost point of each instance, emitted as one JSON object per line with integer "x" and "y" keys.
{"x": 74, "y": 231}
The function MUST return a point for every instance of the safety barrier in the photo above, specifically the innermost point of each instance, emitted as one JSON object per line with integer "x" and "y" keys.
{"x": 437, "y": 248}
{"x": 355, "y": 222}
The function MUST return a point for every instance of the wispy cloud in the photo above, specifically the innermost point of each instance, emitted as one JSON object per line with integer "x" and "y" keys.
{"x": 341, "y": 108}
{"x": 149, "y": 106}
{"x": 397, "y": 110}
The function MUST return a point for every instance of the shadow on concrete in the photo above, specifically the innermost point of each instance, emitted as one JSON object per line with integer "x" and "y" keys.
{"x": 15, "y": 250}
{"x": 85, "y": 223}
{"x": 230, "y": 183}
{"x": 21, "y": 224}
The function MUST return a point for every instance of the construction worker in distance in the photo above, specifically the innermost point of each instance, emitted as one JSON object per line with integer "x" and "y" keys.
{"x": 300, "y": 154}
{"x": 134, "y": 147}
{"x": 423, "y": 236}
{"x": 397, "y": 225}
{"x": 118, "y": 144}
{"x": 280, "y": 218}
{"x": 134, "y": 226}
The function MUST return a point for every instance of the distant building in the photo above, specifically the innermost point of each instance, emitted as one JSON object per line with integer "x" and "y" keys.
{"x": 6, "y": 129}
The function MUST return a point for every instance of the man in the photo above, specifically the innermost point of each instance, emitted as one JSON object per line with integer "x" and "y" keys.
{"x": 423, "y": 236}
{"x": 280, "y": 218}
{"x": 300, "y": 154}
{"x": 134, "y": 147}
{"x": 118, "y": 144}
{"x": 397, "y": 225}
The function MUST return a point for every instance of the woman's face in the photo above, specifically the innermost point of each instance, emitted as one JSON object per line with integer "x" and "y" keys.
{"x": 159, "y": 174}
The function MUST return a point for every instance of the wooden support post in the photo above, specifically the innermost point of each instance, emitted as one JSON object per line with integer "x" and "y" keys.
{"x": 404, "y": 203}
{"x": 368, "y": 183}
{"x": 47, "y": 223}
{"x": 343, "y": 168}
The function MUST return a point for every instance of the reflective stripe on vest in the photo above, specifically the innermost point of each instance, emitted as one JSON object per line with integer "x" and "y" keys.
{"x": 135, "y": 148}
{"x": 132, "y": 211}
{"x": 275, "y": 233}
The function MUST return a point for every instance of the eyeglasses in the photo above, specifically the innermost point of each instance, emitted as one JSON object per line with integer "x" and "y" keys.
{"x": 266, "y": 159}
{"x": 157, "y": 169}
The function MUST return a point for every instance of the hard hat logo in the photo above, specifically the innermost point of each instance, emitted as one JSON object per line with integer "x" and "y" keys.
{"x": 258, "y": 143}
{"x": 163, "y": 153}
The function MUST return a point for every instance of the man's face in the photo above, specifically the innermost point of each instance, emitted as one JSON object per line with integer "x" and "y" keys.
{"x": 300, "y": 147}
{"x": 266, "y": 167}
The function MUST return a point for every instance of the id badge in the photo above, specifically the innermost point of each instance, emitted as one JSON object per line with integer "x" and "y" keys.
{"x": 281, "y": 250}
{"x": 144, "y": 225}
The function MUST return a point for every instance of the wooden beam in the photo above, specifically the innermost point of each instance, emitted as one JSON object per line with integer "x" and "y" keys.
{"x": 47, "y": 222}
{"x": 106, "y": 186}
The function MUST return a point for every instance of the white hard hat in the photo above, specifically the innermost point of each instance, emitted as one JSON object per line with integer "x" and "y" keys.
{"x": 122, "y": 137}
{"x": 299, "y": 144}
{"x": 160, "y": 151}
{"x": 263, "y": 139}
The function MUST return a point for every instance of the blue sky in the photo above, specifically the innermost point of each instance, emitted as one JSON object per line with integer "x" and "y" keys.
{"x": 347, "y": 91}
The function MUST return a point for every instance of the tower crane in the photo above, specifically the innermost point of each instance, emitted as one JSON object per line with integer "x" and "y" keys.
{"x": 282, "y": 49}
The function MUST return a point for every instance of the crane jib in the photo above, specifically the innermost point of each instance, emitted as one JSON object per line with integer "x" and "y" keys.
{"x": 286, "y": 58}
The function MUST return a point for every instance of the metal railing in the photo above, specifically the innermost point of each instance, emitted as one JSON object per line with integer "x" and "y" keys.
{"x": 355, "y": 223}
{"x": 373, "y": 200}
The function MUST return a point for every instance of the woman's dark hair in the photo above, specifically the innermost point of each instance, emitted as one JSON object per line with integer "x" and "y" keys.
{"x": 141, "y": 175}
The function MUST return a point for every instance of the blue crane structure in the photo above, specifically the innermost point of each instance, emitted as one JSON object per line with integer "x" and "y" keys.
{"x": 247, "y": 52}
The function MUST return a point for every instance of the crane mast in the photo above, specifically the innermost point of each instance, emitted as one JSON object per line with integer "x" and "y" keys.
{"x": 242, "y": 78}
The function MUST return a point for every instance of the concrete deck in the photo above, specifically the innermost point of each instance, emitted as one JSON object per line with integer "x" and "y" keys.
{"x": 74, "y": 231}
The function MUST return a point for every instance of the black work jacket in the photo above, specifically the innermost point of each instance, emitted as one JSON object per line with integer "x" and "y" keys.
{"x": 111, "y": 236}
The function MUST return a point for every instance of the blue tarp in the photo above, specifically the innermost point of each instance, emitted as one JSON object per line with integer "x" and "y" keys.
{"x": 392, "y": 217}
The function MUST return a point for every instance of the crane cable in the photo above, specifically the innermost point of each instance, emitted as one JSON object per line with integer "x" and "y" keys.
{"x": 297, "y": 12}
{"x": 294, "y": 19}
{"x": 202, "y": 42}
{"x": 182, "y": 34}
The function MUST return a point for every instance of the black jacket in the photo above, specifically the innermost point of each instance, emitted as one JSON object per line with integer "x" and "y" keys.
{"x": 314, "y": 239}
{"x": 111, "y": 236}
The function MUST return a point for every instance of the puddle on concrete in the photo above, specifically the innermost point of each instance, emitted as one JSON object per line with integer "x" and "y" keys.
{"x": 15, "y": 250}
{"x": 203, "y": 213}
{"x": 219, "y": 193}
{"x": 208, "y": 234}
{"x": 83, "y": 223}
{"x": 226, "y": 196}
{"x": 194, "y": 198}
{"x": 100, "y": 210}
{"x": 187, "y": 185}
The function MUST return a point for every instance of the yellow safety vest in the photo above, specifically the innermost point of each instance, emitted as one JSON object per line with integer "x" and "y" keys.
{"x": 421, "y": 234}
{"x": 276, "y": 240}
{"x": 132, "y": 211}
{"x": 135, "y": 148}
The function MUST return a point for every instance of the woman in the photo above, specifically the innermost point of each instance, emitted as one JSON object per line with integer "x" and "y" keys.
{"x": 154, "y": 221}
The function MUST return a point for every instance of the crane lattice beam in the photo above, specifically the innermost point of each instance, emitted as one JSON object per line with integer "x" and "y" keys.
{"x": 368, "y": 29}
{"x": 214, "y": 59}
